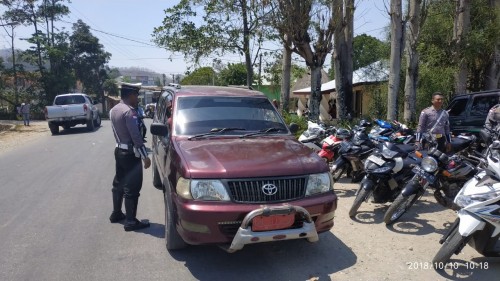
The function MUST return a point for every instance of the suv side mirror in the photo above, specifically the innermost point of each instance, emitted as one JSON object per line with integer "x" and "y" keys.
{"x": 293, "y": 128}
{"x": 158, "y": 129}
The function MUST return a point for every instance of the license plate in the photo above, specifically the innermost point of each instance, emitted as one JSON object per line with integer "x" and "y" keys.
{"x": 328, "y": 140}
{"x": 375, "y": 159}
{"x": 428, "y": 177}
{"x": 265, "y": 223}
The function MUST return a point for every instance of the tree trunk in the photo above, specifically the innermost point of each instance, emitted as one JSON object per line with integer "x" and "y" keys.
{"x": 285, "y": 80}
{"x": 492, "y": 80}
{"x": 460, "y": 30}
{"x": 315, "y": 98}
{"x": 342, "y": 56}
{"x": 246, "y": 43}
{"x": 412, "y": 55}
{"x": 395, "y": 60}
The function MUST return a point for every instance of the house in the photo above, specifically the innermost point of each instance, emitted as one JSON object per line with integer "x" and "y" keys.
{"x": 362, "y": 81}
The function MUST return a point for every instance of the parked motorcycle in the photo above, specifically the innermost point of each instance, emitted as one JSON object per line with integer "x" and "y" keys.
{"x": 352, "y": 153}
{"x": 446, "y": 174}
{"x": 387, "y": 168}
{"x": 478, "y": 222}
{"x": 313, "y": 136}
{"x": 331, "y": 144}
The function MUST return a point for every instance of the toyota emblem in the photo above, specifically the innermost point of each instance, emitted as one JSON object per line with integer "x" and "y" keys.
{"x": 269, "y": 189}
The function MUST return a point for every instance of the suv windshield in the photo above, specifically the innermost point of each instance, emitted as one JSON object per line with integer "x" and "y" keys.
{"x": 198, "y": 115}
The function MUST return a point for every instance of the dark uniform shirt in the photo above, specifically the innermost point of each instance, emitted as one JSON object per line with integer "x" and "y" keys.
{"x": 493, "y": 118}
{"x": 124, "y": 121}
{"x": 427, "y": 121}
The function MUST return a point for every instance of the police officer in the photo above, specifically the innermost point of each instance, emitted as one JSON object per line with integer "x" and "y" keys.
{"x": 493, "y": 118}
{"x": 434, "y": 120}
{"x": 129, "y": 151}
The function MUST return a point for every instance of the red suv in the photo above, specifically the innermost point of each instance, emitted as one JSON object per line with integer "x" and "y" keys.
{"x": 232, "y": 172}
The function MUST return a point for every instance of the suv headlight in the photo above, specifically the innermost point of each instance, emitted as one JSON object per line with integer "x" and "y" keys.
{"x": 429, "y": 164}
{"x": 319, "y": 183}
{"x": 208, "y": 190}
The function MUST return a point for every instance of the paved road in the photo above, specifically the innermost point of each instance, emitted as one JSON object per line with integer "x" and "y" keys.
{"x": 55, "y": 200}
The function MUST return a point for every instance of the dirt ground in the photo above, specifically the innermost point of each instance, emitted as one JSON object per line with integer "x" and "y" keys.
{"x": 14, "y": 133}
{"x": 365, "y": 249}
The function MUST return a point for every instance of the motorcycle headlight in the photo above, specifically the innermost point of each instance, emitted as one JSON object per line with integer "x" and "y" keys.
{"x": 319, "y": 183}
{"x": 429, "y": 164}
{"x": 465, "y": 200}
{"x": 209, "y": 190}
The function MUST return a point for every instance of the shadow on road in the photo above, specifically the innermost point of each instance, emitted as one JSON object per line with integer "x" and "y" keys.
{"x": 75, "y": 130}
{"x": 285, "y": 260}
{"x": 155, "y": 229}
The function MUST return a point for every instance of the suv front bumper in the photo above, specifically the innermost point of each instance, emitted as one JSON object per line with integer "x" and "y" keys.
{"x": 201, "y": 222}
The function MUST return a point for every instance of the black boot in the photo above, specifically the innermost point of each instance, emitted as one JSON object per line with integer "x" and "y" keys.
{"x": 132, "y": 222}
{"x": 117, "y": 214}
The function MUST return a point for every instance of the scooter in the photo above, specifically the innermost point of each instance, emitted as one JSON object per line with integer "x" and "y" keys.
{"x": 478, "y": 222}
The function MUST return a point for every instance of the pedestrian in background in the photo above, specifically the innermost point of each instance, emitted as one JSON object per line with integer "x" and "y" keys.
{"x": 25, "y": 113}
{"x": 434, "y": 120}
{"x": 129, "y": 151}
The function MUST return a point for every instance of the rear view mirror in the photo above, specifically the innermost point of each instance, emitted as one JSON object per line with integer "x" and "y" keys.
{"x": 158, "y": 129}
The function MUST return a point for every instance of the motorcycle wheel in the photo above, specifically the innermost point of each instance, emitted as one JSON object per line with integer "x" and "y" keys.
{"x": 452, "y": 245}
{"x": 363, "y": 194}
{"x": 399, "y": 207}
{"x": 338, "y": 172}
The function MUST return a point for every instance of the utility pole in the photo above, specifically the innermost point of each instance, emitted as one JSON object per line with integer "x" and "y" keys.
{"x": 173, "y": 78}
{"x": 11, "y": 35}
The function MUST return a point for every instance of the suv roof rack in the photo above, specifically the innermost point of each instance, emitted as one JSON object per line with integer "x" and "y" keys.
{"x": 241, "y": 87}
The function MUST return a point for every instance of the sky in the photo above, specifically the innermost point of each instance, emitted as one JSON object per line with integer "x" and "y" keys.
{"x": 113, "y": 20}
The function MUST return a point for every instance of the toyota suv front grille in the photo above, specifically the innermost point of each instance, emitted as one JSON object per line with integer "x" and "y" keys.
{"x": 267, "y": 190}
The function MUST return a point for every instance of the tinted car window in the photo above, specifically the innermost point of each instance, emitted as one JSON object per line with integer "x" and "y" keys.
{"x": 457, "y": 107}
{"x": 481, "y": 104}
{"x": 64, "y": 100}
{"x": 196, "y": 115}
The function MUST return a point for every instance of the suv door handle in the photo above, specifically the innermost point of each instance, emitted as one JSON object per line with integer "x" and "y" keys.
{"x": 458, "y": 122}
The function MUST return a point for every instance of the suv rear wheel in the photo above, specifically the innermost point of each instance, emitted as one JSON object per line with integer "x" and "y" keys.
{"x": 173, "y": 240}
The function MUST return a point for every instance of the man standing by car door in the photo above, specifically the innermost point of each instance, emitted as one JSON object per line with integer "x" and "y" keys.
{"x": 129, "y": 151}
{"x": 434, "y": 120}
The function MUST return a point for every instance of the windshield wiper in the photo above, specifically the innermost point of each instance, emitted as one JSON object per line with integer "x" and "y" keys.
{"x": 263, "y": 131}
{"x": 214, "y": 131}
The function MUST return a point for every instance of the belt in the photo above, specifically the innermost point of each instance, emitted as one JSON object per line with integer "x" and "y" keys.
{"x": 122, "y": 146}
{"x": 437, "y": 136}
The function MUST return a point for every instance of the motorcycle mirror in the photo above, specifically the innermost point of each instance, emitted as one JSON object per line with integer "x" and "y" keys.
{"x": 293, "y": 128}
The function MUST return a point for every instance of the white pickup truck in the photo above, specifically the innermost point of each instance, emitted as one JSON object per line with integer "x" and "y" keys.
{"x": 69, "y": 110}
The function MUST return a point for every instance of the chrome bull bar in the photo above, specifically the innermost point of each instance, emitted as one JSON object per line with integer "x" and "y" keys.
{"x": 245, "y": 235}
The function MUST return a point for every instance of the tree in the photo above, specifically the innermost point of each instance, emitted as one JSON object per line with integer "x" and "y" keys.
{"x": 227, "y": 27}
{"x": 460, "y": 29}
{"x": 493, "y": 73}
{"x": 367, "y": 50}
{"x": 343, "y": 13}
{"x": 89, "y": 59}
{"x": 201, "y": 76}
{"x": 286, "y": 69}
{"x": 395, "y": 60}
{"x": 415, "y": 19}
{"x": 310, "y": 26}
{"x": 233, "y": 74}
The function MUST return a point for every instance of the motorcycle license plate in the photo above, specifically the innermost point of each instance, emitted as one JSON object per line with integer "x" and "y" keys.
{"x": 375, "y": 159}
{"x": 428, "y": 177}
{"x": 329, "y": 141}
{"x": 265, "y": 223}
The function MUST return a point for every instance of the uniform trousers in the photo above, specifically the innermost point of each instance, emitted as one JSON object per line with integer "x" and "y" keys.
{"x": 128, "y": 177}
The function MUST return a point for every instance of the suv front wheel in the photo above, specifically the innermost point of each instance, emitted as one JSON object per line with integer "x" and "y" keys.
{"x": 173, "y": 240}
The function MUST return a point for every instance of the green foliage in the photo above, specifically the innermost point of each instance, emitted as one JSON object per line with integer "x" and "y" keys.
{"x": 89, "y": 59}
{"x": 378, "y": 108}
{"x": 201, "y": 76}
{"x": 437, "y": 52}
{"x": 233, "y": 74}
{"x": 111, "y": 88}
{"x": 368, "y": 49}
{"x": 294, "y": 118}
